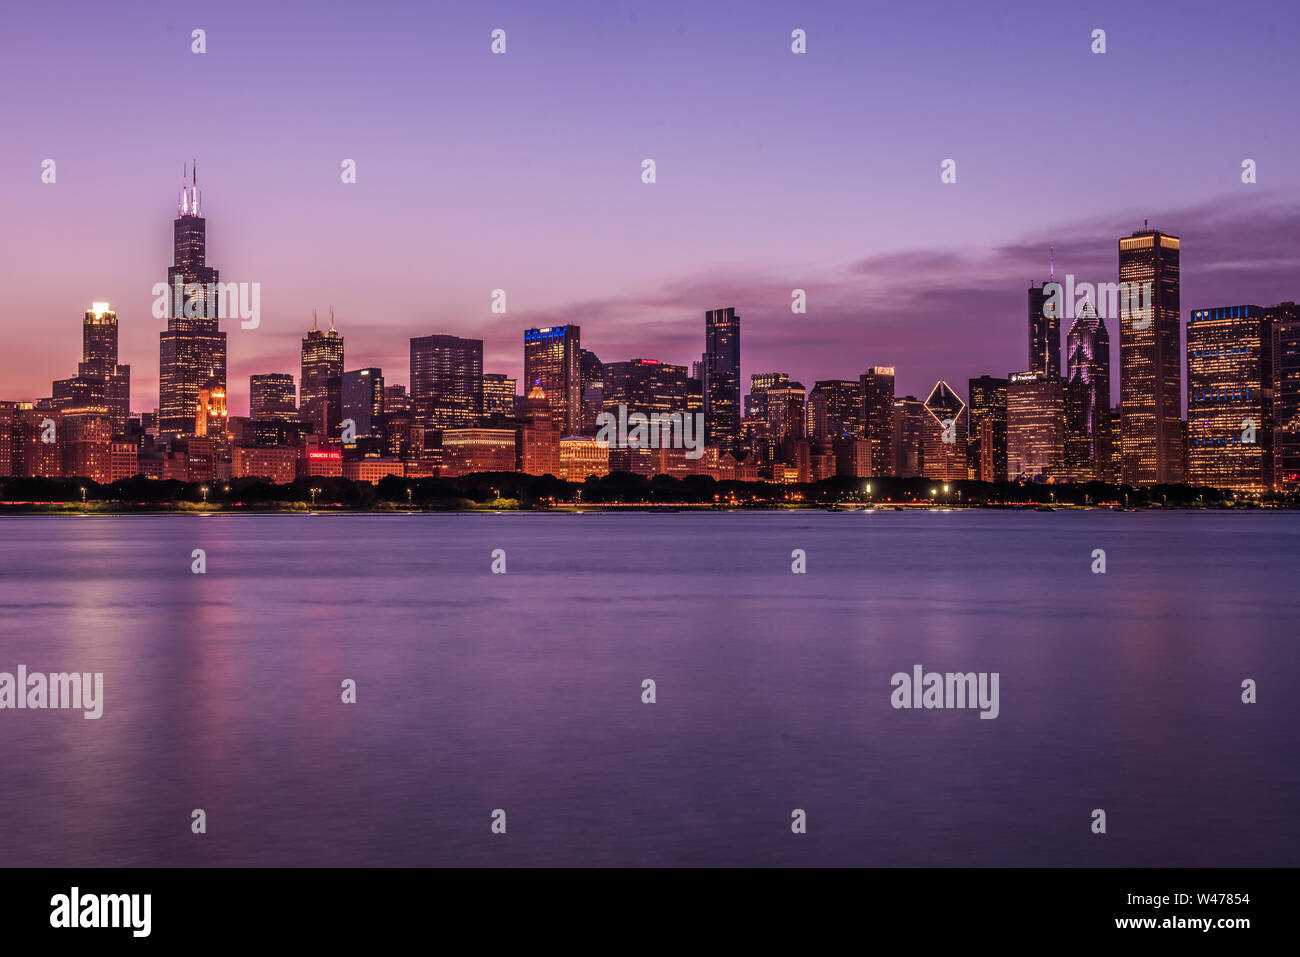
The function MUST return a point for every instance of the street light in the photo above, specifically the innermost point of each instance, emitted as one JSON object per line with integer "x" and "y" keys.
{"x": 313, "y": 498}
{"x": 204, "y": 491}
{"x": 408, "y": 497}
{"x": 83, "y": 495}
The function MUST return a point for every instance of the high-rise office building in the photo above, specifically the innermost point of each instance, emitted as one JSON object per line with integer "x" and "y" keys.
{"x": 1035, "y": 426}
{"x": 361, "y": 398}
{"x": 721, "y": 378}
{"x": 1230, "y": 398}
{"x": 988, "y": 402}
{"x": 944, "y": 436}
{"x": 646, "y": 386}
{"x": 192, "y": 350}
{"x": 785, "y": 410}
{"x": 1285, "y": 322}
{"x": 322, "y": 360}
{"x": 908, "y": 452}
{"x": 877, "y": 418}
{"x": 539, "y": 435}
{"x": 755, "y": 404}
{"x": 835, "y": 409}
{"x": 1044, "y": 330}
{"x": 1087, "y": 399}
{"x": 499, "y": 394}
{"x": 101, "y": 384}
{"x": 271, "y": 393}
{"x": 1150, "y": 375}
{"x": 553, "y": 360}
{"x": 446, "y": 381}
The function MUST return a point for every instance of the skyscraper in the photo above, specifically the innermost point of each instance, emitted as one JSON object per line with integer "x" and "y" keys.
{"x": 645, "y": 386}
{"x": 944, "y": 435}
{"x": 361, "y": 397}
{"x": 785, "y": 410}
{"x": 322, "y": 360}
{"x": 553, "y": 360}
{"x": 1150, "y": 375}
{"x": 1285, "y": 321}
{"x": 835, "y": 409}
{"x": 498, "y": 394}
{"x": 756, "y": 399}
{"x": 721, "y": 378}
{"x": 98, "y": 373}
{"x": 877, "y": 419}
{"x": 271, "y": 393}
{"x": 1087, "y": 399}
{"x": 446, "y": 381}
{"x": 988, "y": 403}
{"x": 192, "y": 350}
{"x": 1230, "y": 398}
{"x": 1035, "y": 426}
{"x": 909, "y": 418}
{"x": 1044, "y": 330}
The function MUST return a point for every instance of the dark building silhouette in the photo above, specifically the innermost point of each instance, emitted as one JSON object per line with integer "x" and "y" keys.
{"x": 721, "y": 378}
{"x": 876, "y": 387}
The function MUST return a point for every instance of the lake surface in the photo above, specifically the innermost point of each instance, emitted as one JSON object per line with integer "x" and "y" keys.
{"x": 523, "y": 691}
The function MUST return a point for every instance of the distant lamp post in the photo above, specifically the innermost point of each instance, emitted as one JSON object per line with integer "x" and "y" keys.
{"x": 408, "y": 497}
{"x": 204, "y": 491}
{"x": 868, "y": 488}
{"x": 83, "y": 495}
{"x": 933, "y": 492}
{"x": 313, "y": 498}
{"x": 945, "y": 490}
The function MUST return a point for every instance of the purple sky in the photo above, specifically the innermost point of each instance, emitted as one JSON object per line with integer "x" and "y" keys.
{"x": 522, "y": 172}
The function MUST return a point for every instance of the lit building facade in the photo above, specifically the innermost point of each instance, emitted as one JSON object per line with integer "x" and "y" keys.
{"x": 1087, "y": 399}
{"x": 446, "y": 381}
{"x": 721, "y": 387}
{"x": 1035, "y": 426}
{"x": 1230, "y": 399}
{"x": 877, "y": 388}
{"x": 1284, "y": 319}
{"x": 553, "y": 361}
{"x": 192, "y": 349}
{"x": 1150, "y": 375}
{"x": 322, "y": 360}
{"x": 944, "y": 435}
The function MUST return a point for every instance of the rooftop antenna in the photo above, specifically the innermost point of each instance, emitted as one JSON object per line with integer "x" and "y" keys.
{"x": 1144, "y": 222}
{"x": 313, "y": 320}
{"x": 331, "y": 318}
{"x": 1051, "y": 263}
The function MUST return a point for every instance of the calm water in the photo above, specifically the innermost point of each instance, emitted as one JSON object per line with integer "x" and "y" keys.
{"x": 523, "y": 691}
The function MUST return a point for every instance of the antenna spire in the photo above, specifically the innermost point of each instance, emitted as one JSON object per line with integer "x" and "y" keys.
{"x": 331, "y": 318}
{"x": 1051, "y": 262}
{"x": 313, "y": 320}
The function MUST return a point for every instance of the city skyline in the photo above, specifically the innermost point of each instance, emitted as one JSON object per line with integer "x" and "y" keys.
{"x": 817, "y": 186}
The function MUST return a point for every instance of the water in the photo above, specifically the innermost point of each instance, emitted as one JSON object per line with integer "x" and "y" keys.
{"x": 523, "y": 691}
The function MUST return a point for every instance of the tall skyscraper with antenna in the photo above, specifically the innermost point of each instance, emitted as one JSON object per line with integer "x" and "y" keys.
{"x": 1045, "y": 325}
{"x": 192, "y": 350}
{"x": 322, "y": 360}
